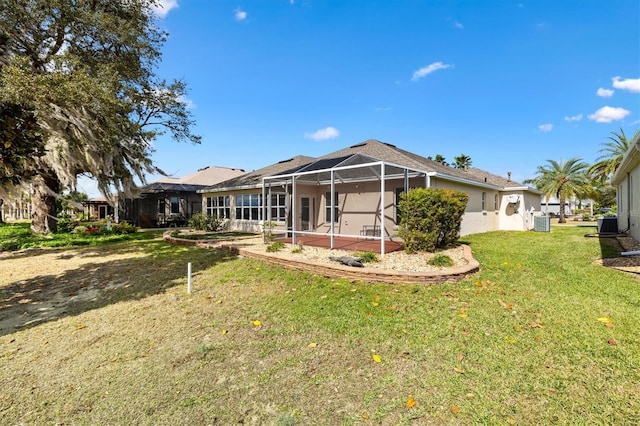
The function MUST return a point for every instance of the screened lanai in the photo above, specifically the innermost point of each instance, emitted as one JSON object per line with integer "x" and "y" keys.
{"x": 353, "y": 196}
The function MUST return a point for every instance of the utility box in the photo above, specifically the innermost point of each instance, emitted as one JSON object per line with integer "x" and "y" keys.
{"x": 608, "y": 225}
{"x": 542, "y": 223}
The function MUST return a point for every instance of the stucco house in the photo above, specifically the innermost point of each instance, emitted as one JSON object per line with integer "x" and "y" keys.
{"x": 172, "y": 201}
{"x": 354, "y": 193}
{"x": 626, "y": 179}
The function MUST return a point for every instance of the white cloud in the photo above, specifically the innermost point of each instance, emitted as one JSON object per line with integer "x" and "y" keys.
{"x": 459, "y": 25}
{"x": 163, "y": 7}
{"x": 573, "y": 118}
{"x": 240, "y": 14}
{"x": 424, "y": 71}
{"x": 630, "y": 84}
{"x": 545, "y": 128}
{"x": 605, "y": 93}
{"x": 188, "y": 103}
{"x": 323, "y": 134}
{"x": 608, "y": 114}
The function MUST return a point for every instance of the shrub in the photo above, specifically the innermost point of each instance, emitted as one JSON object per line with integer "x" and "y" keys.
{"x": 123, "y": 227}
{"x": 441, "y": 260}
{"x": 275, "y": 246}
{"x": 368, "y": 257}
{"x": 267, "y": 230}
{"x": 202, "y": 222}
{"x": 430, "y": 218}
{"x": 80, "y": 229}
{"x": 65, "y": 224}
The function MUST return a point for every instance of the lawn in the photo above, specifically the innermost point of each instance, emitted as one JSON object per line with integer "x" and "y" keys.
{"x": 541, "y": 335}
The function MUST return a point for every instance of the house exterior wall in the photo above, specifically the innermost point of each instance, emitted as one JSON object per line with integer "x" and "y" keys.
{"x": 358, "y": 206}
{"x": 519, "y": 216}
{"x": 628, "y": 194}
{"x": 503, "y": 216}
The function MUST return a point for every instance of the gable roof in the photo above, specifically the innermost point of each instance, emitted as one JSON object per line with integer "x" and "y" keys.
{"x": 375, "y": 150}
{"x": 390, "y": 153}
{"x": 254, "y": 179}
{"x": 199, "y": 179}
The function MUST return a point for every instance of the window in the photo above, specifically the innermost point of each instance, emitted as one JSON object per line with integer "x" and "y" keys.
{"x": 219, "y": 207}
{"x": 248, "y": 207}
{"x": 327, "y": 207}
{"x": 175, "y": 205}
{"x": 161, "y": 206}
{"x": 496, "y": 202}
{"x": 484, "y": 201}
{"x": 278, "y": 207}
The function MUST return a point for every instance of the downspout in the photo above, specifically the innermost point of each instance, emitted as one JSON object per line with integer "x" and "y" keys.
{"x": 628, "y": 201}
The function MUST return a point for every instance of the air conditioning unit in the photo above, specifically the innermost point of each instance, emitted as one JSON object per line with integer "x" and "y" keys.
{"x": 542, "y": 223}
{"x": 513, "y": 199}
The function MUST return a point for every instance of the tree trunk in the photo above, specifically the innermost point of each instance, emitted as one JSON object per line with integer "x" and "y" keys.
{"x": 561, "y": 213}
{"x": 1, "y": 204}
{"x": 43, "y": 203}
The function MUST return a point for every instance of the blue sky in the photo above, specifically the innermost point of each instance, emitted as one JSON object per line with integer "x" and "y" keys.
{"x": 509, "y": 83}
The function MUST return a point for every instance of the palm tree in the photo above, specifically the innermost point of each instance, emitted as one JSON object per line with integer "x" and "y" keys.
{"x": 563, "y": 179}
{"x": 462, "y": 162}
{"x": 440, "y": 159}
{"x": 613, "y": 152}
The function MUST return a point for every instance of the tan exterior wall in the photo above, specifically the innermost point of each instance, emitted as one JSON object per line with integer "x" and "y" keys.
{"x": 359, "y": 206}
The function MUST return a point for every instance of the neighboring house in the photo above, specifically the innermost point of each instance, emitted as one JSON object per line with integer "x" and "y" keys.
{"x": 98, "y": 208}
{"x": 551, "y": 206}
{"x": 16, "y": 208}
{"x": 626, "y": 179}
{"x": 172, "y": 201}
{"x": 354, "y": 192}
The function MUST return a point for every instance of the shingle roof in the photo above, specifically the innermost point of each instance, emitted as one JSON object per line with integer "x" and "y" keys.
{"x": 254, "y": 178}
{"x": 390, "y": 153}
{"x": 209, "y": 175}
{"x": 371, "y": 148}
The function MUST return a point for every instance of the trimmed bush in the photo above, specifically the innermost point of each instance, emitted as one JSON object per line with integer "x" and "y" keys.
{"x": 430, "y": 218}
{"x": 202, "y": 222}
{"x": 368, "y": 257}
{"x": 441, "y": 260}
{"x": 276, "y": 246}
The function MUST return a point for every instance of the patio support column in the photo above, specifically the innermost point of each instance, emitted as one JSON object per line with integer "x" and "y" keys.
{"x": 333, "y": 211}
{"x": 406, "y": 180}
{"x": 261, "y": 217}
{"x": 293, "y": 210}
{"x": 382, "y": 224}
{"x": 427, "y": 181}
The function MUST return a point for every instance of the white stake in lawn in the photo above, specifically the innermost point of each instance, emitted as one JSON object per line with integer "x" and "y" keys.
{"x": 189, "y": 277}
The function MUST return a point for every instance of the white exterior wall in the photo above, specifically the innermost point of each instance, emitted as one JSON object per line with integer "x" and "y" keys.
{"x": 519, "y": 216}
{"x": 629, "y": 204}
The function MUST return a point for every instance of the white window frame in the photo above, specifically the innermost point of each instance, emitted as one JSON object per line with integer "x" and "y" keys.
{"x": 219, "y": 206}
{"x": 279, "y": 207}
{"x": 327, "y": 207}
{"x": 249, "y": 207}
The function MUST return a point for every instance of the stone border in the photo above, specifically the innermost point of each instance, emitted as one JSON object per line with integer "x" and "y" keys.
{"x": 340, "y": 271}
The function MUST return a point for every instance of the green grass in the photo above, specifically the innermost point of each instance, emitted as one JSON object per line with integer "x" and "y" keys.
{"x": 522, "y": 341}
{"x": 17, "y": 236}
